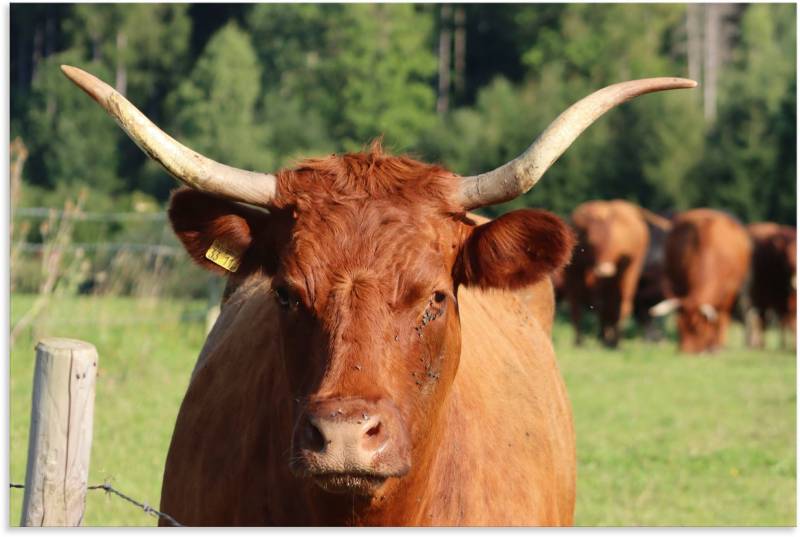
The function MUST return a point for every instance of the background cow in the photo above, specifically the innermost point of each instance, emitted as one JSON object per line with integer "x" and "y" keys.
{"x": 773, "y": 285}
{"x": 327, "y": 392}
{"x": 650, "y": 288}
{"x": 606, "y": 264}
{"x": 707, "y": 260}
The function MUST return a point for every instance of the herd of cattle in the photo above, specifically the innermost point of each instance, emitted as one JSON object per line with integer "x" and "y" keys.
{"x": 700, "y": 263}
{"x": 374, "y": 361}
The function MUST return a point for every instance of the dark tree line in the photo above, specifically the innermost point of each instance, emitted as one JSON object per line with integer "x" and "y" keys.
{"x": 260, "y": 85}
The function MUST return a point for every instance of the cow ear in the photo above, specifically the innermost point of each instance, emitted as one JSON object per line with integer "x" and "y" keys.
{"x": 515, "y": 250}
{"x": 226, "y": 237}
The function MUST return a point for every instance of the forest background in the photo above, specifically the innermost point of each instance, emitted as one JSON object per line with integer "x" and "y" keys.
{"x": 261, "y": 86}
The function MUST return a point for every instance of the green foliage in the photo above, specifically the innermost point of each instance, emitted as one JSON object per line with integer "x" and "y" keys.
{"x": 148, "y": 41}
{"x": 213, "y": 109}
{"x": 750, "y": 166}
{"x": 384, "y": 67}
{"x": 71, "y": 140}
{"x": 287, "y": 81}
{"x": 365, "y": 70}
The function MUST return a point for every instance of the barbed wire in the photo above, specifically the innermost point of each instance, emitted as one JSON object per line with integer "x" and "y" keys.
{"x": 159, "y": 249}
{"x": 45, "y": 212}
{"x": 126, "y": 321}
{"x": 106, "y": 486}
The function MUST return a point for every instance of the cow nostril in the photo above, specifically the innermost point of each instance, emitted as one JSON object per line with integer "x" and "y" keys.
{"x": 314, "y": 438}
{"x": 374, "y": 430}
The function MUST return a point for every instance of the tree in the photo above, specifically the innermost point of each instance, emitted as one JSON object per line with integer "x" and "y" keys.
{"x": 641, "y": 151}
{"x": 387, "y": 71}
{"x": 750, "y": 167}
{"x": 144, "y": 45}
{"x": 214, "y": 109}
{"x": 71, "y": 139}
{"x": 308, "y": 79}
{"x": 367, "y": 70}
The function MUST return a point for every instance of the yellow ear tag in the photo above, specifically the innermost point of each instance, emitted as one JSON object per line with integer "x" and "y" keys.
{"x": 223, "y": 256}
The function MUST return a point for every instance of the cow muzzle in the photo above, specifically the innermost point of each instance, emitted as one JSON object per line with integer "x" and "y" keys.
{"x": 350, "y": 445}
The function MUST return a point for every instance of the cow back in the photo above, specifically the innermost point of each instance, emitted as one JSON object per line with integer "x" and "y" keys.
{"x": 707, "y": 257}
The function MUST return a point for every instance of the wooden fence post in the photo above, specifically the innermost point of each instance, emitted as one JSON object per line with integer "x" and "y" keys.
{"x": 60, "y": 440}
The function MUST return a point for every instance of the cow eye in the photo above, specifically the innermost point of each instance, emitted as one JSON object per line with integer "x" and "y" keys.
{"x": 282, "y": 296}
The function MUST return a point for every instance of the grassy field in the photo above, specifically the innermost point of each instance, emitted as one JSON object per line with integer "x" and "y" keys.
{"x": 668, "y": 439}
{"x": 663, "y": 439}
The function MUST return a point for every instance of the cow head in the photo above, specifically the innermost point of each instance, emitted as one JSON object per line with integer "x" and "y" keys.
{"x": 697, "y": 323}
{"x": 365, "y": 254}
{"x": 595, "y": 254}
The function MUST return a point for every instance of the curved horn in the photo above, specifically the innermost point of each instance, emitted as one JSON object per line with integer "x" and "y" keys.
{"x": 514, "y": 178}
{"x": 187, "y": 166}
{"x": 709, "y": 312}
{"x": 665, "y": 307}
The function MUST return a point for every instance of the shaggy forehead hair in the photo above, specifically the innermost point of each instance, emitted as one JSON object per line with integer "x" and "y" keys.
{"x": 370, "y": 176}
{"x": 367, "y": 218}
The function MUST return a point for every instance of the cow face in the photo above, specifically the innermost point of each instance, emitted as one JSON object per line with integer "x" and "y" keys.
{"x": 366, "y": 253}
{"x": 595, "y": 248}
{"x": 698, "y": 328}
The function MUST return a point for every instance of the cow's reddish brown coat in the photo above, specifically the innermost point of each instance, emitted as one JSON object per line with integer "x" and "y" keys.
{"x": 361, "y": 242}
{"x": 707, "y": 261}
{"x": 608, "y": 232}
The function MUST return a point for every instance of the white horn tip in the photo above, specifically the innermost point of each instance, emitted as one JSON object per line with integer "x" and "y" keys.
{"x": 93, "y": 86}
{"x": 687, "y": 82}
{"x": 665, "y": 307}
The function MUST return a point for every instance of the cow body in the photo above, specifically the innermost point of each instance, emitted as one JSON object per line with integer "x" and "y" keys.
{"x": 707, "y": 261}
{"x": 501, "y": 453}
{"x": 606, "y": 264}
{"x": 772, "y": 287}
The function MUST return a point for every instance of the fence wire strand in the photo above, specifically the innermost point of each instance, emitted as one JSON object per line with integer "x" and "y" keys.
{"x": 111, "y": 490}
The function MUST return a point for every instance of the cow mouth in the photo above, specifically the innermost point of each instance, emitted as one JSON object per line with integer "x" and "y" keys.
{"x": 355, "y": 483}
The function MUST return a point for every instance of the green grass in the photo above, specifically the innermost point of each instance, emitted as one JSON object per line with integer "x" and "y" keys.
{"x": 663, "y": 439}
{"x": 146, "y": 355}
{"x": 670, "y": 439}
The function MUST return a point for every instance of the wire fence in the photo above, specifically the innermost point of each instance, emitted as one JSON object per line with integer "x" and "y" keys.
{"x": 47, "y": 212}
{"x": 157, "y": 249}
{"x": 111, "y": 490}
{"x": 67, "y": 250}
{"x": 139, "y": 249}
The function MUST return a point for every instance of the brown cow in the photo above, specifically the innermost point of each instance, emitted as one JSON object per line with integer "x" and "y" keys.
{"x": 606, "y": 264}
{"x": 707, "y": 260}
{"x": 650, "y": 289}
{"x": 371, "y": 364}
{"x": 773, "y": 285}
